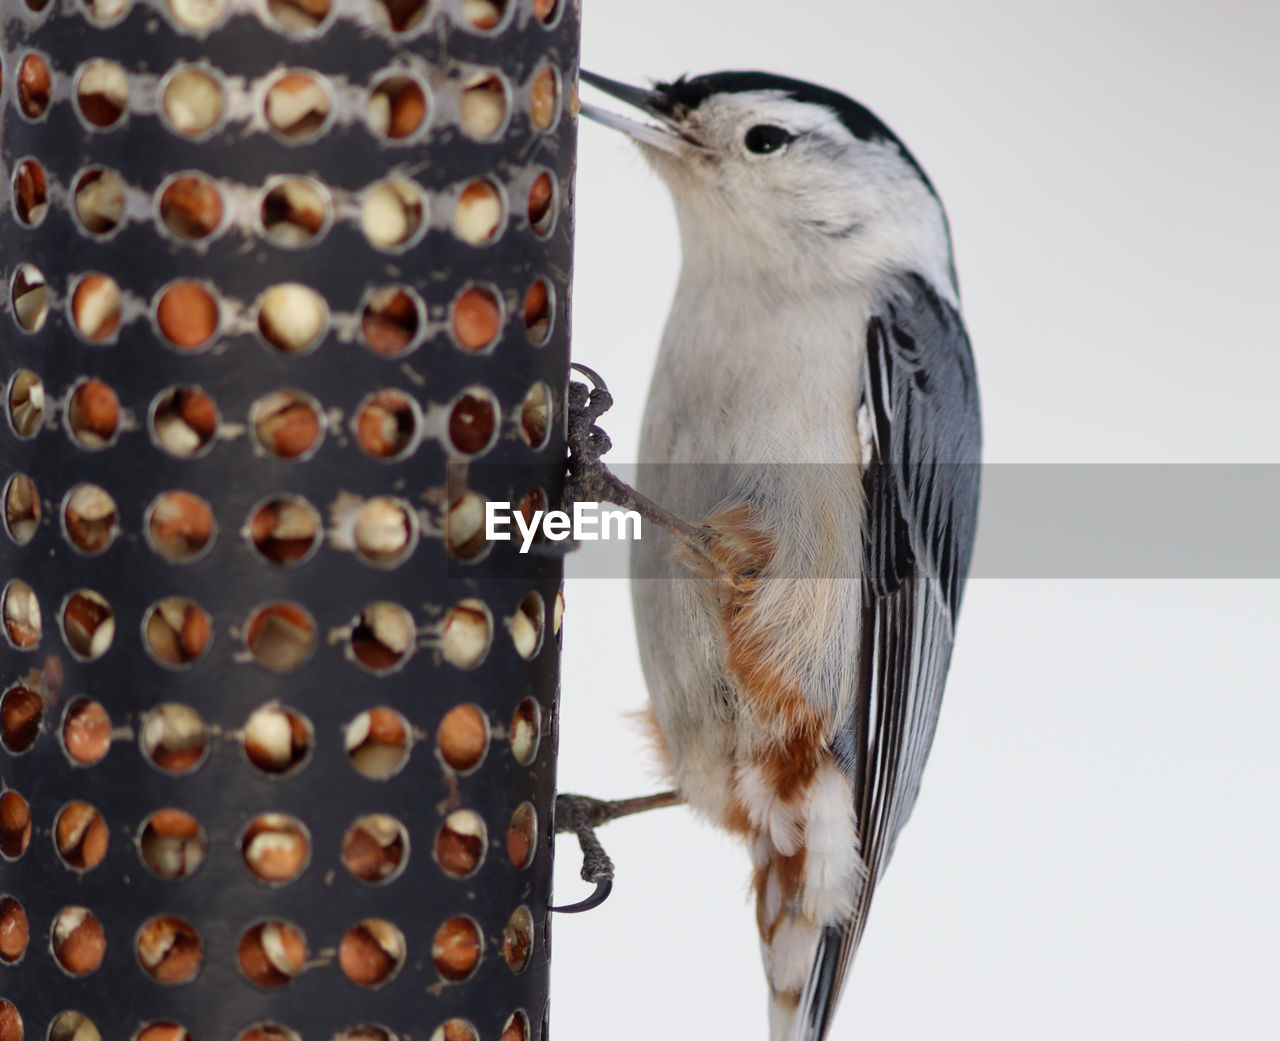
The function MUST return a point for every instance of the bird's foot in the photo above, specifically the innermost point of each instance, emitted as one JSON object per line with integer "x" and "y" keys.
{"x": 589, "y": 480}
{"x": 581, "y": 815}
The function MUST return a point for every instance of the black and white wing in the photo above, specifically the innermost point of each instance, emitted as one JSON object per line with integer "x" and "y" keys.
{"x": 921, "y": 397}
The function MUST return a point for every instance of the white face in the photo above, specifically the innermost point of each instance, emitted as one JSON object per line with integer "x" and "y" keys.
{"x": 762, "y": 180}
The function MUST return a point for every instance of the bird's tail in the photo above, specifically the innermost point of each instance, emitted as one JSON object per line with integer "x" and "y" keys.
{"x": 789, "y": 934}
{"x": 811, "y": 890}
{"x": 810, "y": 1017}
{"x": 806, "y": 963}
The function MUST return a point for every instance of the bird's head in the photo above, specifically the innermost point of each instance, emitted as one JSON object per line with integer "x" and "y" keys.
{"x": 774, "y": 172}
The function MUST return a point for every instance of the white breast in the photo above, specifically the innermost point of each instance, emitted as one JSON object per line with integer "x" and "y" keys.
{"x": 755, "y": 395}
{"x": 751, "y": 374}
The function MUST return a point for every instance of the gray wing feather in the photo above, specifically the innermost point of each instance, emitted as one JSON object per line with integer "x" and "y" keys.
{"x": 922, "y": 500}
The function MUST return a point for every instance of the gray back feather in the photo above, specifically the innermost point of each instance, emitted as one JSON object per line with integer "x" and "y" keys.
{"x": 921, "y": 391}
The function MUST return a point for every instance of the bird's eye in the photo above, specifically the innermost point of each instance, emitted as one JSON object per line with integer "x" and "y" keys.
{"x": 766, "y": 137}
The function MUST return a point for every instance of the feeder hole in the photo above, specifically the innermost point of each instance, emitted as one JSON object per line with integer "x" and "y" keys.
{"x": 463, "y": 737}
{"x": 184, "y": 421}
{"x": 478, "y": 214}
{"x": 105, "y": 12}
{"x": 535, "y": 416}
{"x": 465, "y": 526}
{"x": 88, "y": 624}
{"x": 169, "y": 950}
{"x": 385, "y": 531}
{"x": 295, "y": 211}
{"x": 81, "y": 835}
{"x": 483, "y": 106}
{"x": 473, "y": 421}
{"x": 537, "y": 312}
{"x": 15, "y": 930}
{"x": 298, "y": 15}
{"x": 79, "y": 943}
{"x": 21, "y": 508}
{"x": 35, "y": 85}
{"x": 375, "y": 848}
{"x": 540, "y": 209}
{"x": 174, "y": 737}
{"x": 95, "y": 307}
{"x": 461, "y": 843}
{"x": 93, "y": 414}
{"x": 391, "y": 321}
{"x": 86, "y": 732}
{"x": 15, "y": 825}
{"x": 392, "y": 213}
{"x": 22, "y": 621}
{"x": 456, "y": 948}
{"x": 517, "y": 939}
{"x": 287, "y": 423}
{"x": 271, "y": 954}
{"x": 191, "y": 207}
{"x": 484, "y": 15}
{"x": 73, "y": 1026}
{"x": 522, "y": 835}
{"x": 102, "y": 93}
{"x": 280, "y": 636}
{"x": 21, "y": 713}
{"x": 544, "y": 98}
{"x": 30, "y": 298}
{"x": 177, "y": 631}
{"x": 11, "y": 1028}
{"x": 387, "y": 424}
{"x": 180, "y": 526}
{"x": 397, "y": 107}
{"x": 30, "y": 192}
{"x": 275, "y": 847}
{"x": 371, "y": 952}
{"x": 172, "y": 844}
{"x": 292, "y": 317}
{"x": 477, "y": 318}
{"x": 192, "y": 101}
{"x": 278, "y": 740}
{"x": 377, "y": 743}
{"x": 89, "y": 518}
{"x": 26, "y": 403}
{"x": 297, "y": 106}
{"x": 284, "y": 530}
{"x": 382, "y": 637}
{"x": 196, "y": 15}
{"x": 526, "y": 731}
{"x": 516, "y": 1027}
{"x": 186, "y": 314}
{"x": 98, "y": 198}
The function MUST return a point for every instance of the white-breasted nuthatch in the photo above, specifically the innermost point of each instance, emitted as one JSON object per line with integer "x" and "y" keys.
{"x": 816, "y": 355}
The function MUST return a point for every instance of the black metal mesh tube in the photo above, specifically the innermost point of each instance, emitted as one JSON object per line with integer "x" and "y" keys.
{"x": 286, "y": 302}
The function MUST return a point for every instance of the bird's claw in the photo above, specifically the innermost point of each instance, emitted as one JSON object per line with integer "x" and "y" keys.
{"x": 598, "y": 399}
{"x": 587, "y": 442}
{"x": 582, "y": 815}
{"x": 604, "y": 886}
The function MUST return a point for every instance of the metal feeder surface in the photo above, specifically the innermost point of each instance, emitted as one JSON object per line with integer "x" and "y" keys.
{"x": 306, "y": 264}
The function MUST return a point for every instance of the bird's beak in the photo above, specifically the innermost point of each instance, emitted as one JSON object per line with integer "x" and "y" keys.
{"x": 666, "y": 136}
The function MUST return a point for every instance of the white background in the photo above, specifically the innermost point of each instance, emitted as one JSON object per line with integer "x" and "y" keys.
{"x": 1095, "y": 851}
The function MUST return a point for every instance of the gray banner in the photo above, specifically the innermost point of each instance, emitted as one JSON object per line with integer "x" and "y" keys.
{"x": 1035, "y": 521}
